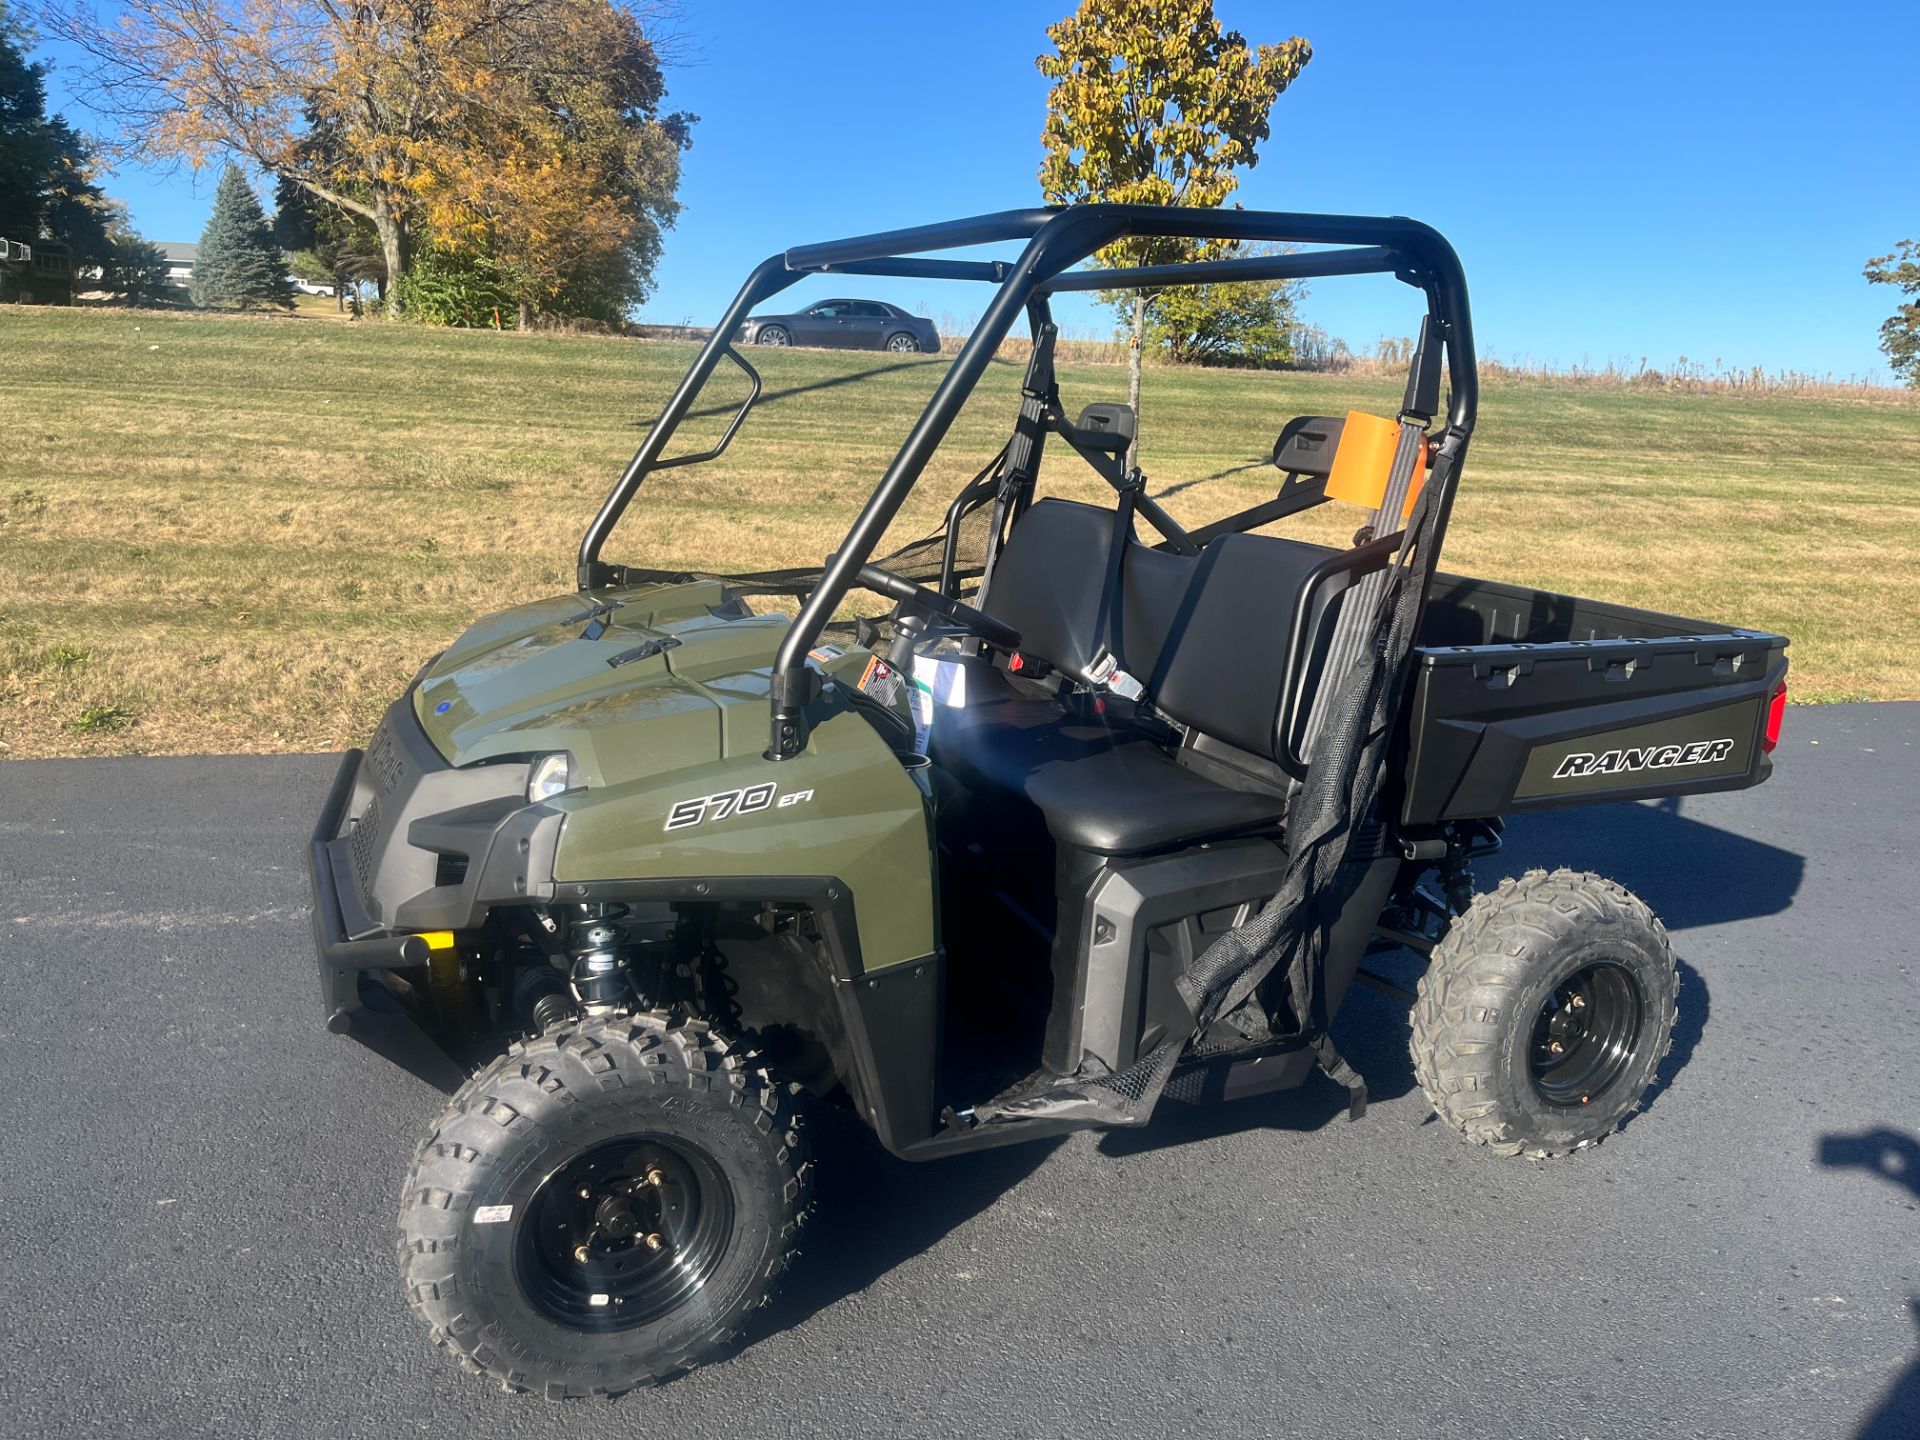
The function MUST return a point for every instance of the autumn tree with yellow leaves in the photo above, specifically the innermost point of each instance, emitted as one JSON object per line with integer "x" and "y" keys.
{"x": 528, "y": 132}
{"x": 1154, "y": 103}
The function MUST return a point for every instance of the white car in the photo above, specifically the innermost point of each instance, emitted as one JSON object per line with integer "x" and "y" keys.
{"x": 307, "y": 287}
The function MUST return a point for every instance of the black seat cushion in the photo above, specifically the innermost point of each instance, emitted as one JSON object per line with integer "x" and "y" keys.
{"x": 1098, "y": 787}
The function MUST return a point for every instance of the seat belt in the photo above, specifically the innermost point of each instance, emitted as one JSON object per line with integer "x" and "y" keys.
{"x": 1355, "y": 625}
{"x": 1108, "y": 670}
{"x": 1039, "y": 398}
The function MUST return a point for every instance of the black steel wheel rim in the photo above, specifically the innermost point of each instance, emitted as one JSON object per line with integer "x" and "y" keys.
{"x": 624, "y": 1233}
{"x": 1586, "y": 1035}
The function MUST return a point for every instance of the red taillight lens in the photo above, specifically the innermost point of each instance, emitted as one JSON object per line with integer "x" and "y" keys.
{"x": 1776, "y": 712}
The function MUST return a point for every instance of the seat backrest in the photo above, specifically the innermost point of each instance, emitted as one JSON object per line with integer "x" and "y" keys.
{"x": 1050, "y": 579}
{"x": 1240, "y": 643}
{"x": 1211, "y": 637}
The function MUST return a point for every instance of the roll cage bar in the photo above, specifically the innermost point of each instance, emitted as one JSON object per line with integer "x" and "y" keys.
{"x": 1057, "y": 239}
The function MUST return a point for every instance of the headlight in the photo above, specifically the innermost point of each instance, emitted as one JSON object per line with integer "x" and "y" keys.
{"x": 551, "y": 775}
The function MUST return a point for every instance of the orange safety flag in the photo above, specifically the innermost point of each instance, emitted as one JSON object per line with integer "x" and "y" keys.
{"x": 1364, "y": 461}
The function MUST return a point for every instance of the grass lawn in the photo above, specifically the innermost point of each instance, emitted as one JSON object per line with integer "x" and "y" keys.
{"x": 226, "y": 534}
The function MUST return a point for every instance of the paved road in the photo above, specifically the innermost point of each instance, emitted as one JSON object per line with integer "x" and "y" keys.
{"x": 197, "y": 1184}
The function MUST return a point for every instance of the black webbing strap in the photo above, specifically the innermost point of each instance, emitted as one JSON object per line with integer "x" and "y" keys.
{"x": 1039, "y": 400}
{"x": 1107, "y": 621}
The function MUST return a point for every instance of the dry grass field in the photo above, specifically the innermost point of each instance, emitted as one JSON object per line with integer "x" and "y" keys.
{"x": 222, "y": 534}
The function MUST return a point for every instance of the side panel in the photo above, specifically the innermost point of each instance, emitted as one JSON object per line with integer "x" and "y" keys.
{"x": 844, "y": 808}
{"x": 1146, "y": 922}
{"x": 880, "y": 1028}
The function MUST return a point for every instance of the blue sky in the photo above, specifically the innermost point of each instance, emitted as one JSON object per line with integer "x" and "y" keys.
{"x": 1687, "y": 179}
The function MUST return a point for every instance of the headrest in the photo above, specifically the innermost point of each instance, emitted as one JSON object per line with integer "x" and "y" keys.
{"x": 1105, "y": 427}
{"x": 1307, "y": 445}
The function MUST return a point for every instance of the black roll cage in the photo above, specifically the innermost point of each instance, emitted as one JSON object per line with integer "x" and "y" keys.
{"x": 1057, "y": 239}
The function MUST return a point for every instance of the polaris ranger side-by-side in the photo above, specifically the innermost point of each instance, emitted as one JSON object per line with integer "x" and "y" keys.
{"x": 1106, "y": 812}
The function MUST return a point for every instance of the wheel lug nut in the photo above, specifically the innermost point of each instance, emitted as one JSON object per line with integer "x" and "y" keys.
{"x": 1579, "y": 1002}
{"x": 586, "y": 1193}
{"x": 654, "y": 1242}
{"x": 580, "y": 1253}
{"x": 656, "y": 1177}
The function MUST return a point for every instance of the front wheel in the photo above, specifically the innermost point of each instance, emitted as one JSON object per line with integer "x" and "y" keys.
{"x": 1544, "y": 1012}
{"x": 772, "y": 335}
{"x": 603, "y": 1206}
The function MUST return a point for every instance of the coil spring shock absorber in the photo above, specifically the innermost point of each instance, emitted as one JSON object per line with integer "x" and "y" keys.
{"x": 596, "y": 944}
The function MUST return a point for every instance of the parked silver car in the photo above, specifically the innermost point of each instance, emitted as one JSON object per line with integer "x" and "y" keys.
{"x": 845, "y": 325}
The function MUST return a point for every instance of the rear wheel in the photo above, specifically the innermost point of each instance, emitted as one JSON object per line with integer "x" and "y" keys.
{"x": 903, "y": 344}
{"x": 602, "y": 1207}
{"x": 1544, "y": 1012}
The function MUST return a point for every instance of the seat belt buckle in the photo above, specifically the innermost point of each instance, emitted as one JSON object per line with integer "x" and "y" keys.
{"x": 1106, "y": 674}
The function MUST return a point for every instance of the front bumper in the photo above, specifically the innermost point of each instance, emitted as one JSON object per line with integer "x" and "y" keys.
{"x": 408, "y": 843}
{"x": 341, "y": 958}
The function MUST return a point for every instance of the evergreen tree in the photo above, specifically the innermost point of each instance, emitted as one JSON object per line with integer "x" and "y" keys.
{"x": 46, "y": 166}
{"x": 28, "y": 149}
{"x": 238, "y": 262}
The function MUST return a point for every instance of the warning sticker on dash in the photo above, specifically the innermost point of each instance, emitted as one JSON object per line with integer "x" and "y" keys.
{"x": 880, "y": 681}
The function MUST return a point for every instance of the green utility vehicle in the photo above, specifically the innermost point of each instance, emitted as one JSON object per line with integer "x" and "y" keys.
{"x": 1096, "y": 812}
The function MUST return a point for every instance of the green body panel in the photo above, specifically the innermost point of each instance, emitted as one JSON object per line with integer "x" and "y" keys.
{"x": 686, "y": 723}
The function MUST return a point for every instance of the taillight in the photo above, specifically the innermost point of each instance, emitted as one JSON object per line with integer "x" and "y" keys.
{"x": 1776, "y": 712}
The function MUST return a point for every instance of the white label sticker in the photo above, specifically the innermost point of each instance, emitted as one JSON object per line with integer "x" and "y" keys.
{"x": 492, "y": 1214}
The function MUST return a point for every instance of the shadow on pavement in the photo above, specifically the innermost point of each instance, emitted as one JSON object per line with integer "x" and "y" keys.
{"x": 1692, "y": 1008}
{"x": 1894, "y": 1156}
{"x": 1317, "y": 1103}
{"x": 395, "y": 1038}
{"x": 1691, "y": 873}
{"x": 874, "y": 1212}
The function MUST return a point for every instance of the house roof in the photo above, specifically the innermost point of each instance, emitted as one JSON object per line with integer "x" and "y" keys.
{"x": 178, "y": 252}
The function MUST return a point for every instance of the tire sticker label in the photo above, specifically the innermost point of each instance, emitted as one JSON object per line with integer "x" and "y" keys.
{"x": 492, "y": 1214}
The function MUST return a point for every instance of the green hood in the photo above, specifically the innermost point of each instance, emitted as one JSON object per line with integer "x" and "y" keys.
{"x": 632, "y": 682}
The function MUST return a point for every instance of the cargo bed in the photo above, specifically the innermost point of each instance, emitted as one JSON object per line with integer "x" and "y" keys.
{"x": 1524, "y": 700}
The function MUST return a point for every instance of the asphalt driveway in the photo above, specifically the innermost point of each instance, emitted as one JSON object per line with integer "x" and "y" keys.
{"x": 198, "y": 1184}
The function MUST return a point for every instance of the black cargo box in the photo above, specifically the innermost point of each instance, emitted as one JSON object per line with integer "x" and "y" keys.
{"x": 1523, "y": 699}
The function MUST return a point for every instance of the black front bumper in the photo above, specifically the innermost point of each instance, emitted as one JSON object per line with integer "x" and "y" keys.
{"x": 342, "y": 959}
{"x": 408, "y": 843}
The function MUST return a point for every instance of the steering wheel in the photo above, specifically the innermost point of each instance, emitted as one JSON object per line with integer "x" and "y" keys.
{"x": 996, "y": 633}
